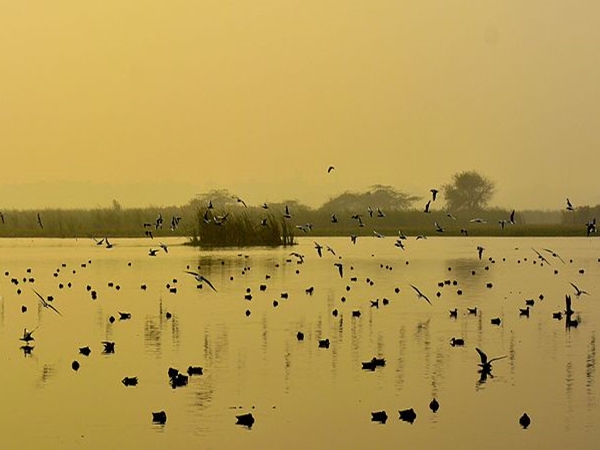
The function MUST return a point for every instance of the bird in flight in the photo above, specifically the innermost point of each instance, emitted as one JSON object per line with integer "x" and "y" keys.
{"x": 420, "y": 294}
{"x": 554, "y": 254}
{"x": 201, "y": 279}
{"x": 486, "y": 364}
{"x": 578, "y": 291}
{"x": 152, "y": 252}
{"x": 39, "y": 221}
{"x": 330, "y": 169}
{"x": 480, "y": 250}
{"x": 427, "y": 207}
{"x": 340, "y": 267}
{"x": 569, "y": 205}
{"x": 319, "y": 249}
{"x": 239, "y": 200}
{"x": 45, "y": 304}
{"x": 434, "y": 193}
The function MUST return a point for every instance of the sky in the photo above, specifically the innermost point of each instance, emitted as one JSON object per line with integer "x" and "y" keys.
{"x": 153, "y": 102}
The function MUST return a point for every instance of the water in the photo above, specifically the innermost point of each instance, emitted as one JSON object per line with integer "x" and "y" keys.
{"x": 301, "y": 396}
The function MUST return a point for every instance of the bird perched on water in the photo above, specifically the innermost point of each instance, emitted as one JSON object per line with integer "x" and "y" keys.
{"x": 486, "y": 364}
{"x": 434, "y": 405}
{"x": 524, "y": 421}
{"x": 45, "y": 304}
{"x": 420, "y": 294}
{"x": 201, "y": 278}
{"x": 246, "y": 420}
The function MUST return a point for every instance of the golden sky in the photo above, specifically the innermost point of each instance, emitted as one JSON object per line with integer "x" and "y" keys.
{"x": 152, "y": 102}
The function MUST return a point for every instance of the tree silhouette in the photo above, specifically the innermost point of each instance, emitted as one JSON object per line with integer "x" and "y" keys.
{"x": 378, "y": 196}
{"x": 468, "y": 191}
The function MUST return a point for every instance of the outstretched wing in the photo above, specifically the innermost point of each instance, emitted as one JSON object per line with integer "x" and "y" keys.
{"x": 482, "y": 355}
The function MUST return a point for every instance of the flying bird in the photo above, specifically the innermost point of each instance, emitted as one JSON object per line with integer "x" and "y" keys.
{"x": 480, "y": 250}
{"x": 239, "y": 200}
{"x": 45, "y": 304}
{"x": 340, "y": 267}
{"x": 319, "y": 249}
{"x": 486, "y": 365}
{"x": 201, "y": 279}
{"x": 420, "y": 294}
{"x": 39, "y": 220}
{"x": 578, "y": 291}
{"x": 427, "y": 206}
{"x": 569, "y": 205}
{"x": 434, "y": 193}
{"x": 330, "y": 169}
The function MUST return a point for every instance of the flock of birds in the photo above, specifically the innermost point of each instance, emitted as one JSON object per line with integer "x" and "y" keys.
{"x": 179, "y": 379}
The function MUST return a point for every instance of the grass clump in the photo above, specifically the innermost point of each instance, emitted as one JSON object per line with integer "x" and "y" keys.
{"x": 241, "y": 230}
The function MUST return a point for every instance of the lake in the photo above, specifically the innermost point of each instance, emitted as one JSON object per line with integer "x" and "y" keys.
{"x": 301, "y": 395}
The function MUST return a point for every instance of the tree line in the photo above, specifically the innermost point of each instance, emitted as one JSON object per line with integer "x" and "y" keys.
{"x": 460, "y": 207}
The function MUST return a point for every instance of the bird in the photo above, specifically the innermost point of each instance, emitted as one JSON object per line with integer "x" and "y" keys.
{"x": 340, "y": 267}
{"x": 152, "y": 252}
{"x": 319, "y": 249}
{"x": 108, "y": 244}
{"x": 511, "y": 220}
{"x": 264, "y": 206}
{"x": 334, "y": 218}
{"x": 45, "y": 304}
{"x": 379, "y": 416}
{"x": 330, "y": 169}
{"x": 39, "y": 220}
{"x": 426, "y": 210}
{"x": 330, "y": 250}
{"x": 477, "y": 220}
{"x": 554, "y": 254}
{"x": 130, "y": 381}
{"x": 438, "y": 228}
{"x": 486, "y": 364}
{"x": 380, "y": 213}
{"x": 246, "y": 420}
{"x": 27, "y": 335}
{"x": 408, "y": 415}
{"x": 480, "y": 250}
{"x": 109, "y": 346}
{"x": 159, "y": 417}
{"x": 201, "y": 278}
{"x": 540, "y": 256}
{"x": 378, "y": 235}
{"x": 578, "y": 291}
{"x": 524, "y": 421}
{"x": 457, "y": 342}
{"x": 287, "y": 213}
{"x": 420, "y": 294}
{"x": 299, "y": 256}
{"x": 569, "y": 205}
{"x": 434, "y": 193}
{"x": 164, "y": 247}
{"x": 239, "y": 200}
{"x": 434, "y": 405}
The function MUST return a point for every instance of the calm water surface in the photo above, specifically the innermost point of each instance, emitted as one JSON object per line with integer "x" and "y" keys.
{"x": 301, "y": 396}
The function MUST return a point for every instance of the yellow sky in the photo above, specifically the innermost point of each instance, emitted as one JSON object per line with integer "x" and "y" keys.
{"x": 152, "y": 101}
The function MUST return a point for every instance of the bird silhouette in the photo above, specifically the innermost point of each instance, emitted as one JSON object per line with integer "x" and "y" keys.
{"x": 486, "y": 364}
{"x": 201, "y": 278}
{"x": 45, "y": 304}
{"x": 420, "y": 294}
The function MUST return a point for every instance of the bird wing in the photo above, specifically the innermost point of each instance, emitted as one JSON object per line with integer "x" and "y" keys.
{"x": 482, "y": 355}
{"x": 208, "y": 282}
{"x": 497, "y": 358}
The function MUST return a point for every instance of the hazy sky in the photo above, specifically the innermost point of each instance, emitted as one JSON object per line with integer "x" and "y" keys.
{"x": 152, "y": 102}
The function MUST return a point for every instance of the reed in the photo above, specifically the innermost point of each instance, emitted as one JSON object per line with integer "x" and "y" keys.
{"x": 241, "y": 229}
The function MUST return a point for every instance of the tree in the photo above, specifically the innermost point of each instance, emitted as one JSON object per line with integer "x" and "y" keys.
{"x": 468, "y": 191}
{"x": 378, "y": 196}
